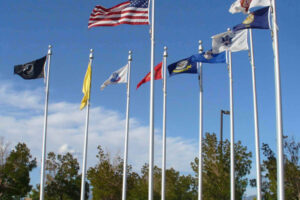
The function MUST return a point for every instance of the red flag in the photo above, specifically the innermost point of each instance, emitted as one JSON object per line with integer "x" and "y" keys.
{"x": 157, "y": 75}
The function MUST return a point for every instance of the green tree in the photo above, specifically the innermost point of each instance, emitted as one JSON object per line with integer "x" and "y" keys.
{"x": 63, "y": 181}
{"x": 216, "y": 168}
{"x": 179, "y": 186}
{"x": 291, "y": 170}
{"x": 106, "y": 178}
{"x": 14, "y": 173}
{"x": 106, "y": 181}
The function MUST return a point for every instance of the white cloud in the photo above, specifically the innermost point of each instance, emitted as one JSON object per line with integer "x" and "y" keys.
{"x": 66, "y": 125}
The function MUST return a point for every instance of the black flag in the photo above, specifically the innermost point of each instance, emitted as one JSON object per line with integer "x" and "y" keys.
{"x": 31, "y": 70}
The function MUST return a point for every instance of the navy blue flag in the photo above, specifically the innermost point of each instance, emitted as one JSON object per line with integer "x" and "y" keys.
{"x": 209, "y": 57}
{"x": 187, "y": 65}
{"x": 258, "y": 19}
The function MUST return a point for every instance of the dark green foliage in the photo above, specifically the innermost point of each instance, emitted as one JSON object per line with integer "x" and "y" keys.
{"x": 106, "y": 181}
{"x": 291, "y": 170}
{"x": 63, "y": 181}
{"x": 14, "y": 173}
{"x": 216, "y": 168}
{"x": 106, "y": 178}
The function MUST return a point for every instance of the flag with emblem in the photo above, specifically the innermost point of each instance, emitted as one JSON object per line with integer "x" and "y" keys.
{"x": 245, "y": 5}
{"x": 157, "y": 75}
{"x": 210, "y": 57}
{"x": 187, "y": 65}
{"x": 231, "y": 41}
{"x": 258, "y": 19}
{"x": 31, "y": 70}
{"x": 134, "y": 12}
{"x": 119, "y": 76}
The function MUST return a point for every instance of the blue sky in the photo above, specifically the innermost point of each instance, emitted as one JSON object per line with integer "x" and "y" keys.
{"x": 28, "y": 27}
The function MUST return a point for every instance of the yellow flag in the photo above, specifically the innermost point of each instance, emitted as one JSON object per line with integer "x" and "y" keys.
{"x": 86, "y": 87}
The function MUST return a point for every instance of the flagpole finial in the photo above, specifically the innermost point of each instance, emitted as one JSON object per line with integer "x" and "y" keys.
{"x": 165, "y": 51}
{"x": 130, "y": 55}
{"x": 91, "y": 53}
{"x": 200, "y": 48}
{"x": 49, "y": 50}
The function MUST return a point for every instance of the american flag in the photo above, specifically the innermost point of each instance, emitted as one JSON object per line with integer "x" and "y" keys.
{"x": 133, "y": 12}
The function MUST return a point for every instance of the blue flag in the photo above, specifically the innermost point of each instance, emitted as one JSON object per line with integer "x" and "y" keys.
{"x": 258, "y": 19}
{"x": 209, "y": 57}
{"x": 187, "y": 65}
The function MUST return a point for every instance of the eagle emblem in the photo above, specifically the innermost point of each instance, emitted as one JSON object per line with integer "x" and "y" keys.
{"x": 246, "y": 4}
{"x": 115, "y": 77}
{"x": 227, "y": 40}
{"x": 182, "y": 66}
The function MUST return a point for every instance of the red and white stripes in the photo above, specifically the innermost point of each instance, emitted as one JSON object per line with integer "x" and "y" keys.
{"x": 122, "y": 13}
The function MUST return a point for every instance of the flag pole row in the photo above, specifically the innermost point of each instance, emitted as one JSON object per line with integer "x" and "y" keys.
{"x": 223, "y": 45}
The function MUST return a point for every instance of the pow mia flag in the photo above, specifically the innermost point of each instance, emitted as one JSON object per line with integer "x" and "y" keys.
{"x": 31, "y": 70}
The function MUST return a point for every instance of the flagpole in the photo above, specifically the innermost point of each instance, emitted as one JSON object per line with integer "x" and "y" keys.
{"x": 82, "y": 196}
{"x": 232, "y": 175}
{"x": 255, "y": 111}
{"x": 280, "y": 165}
{"x": 42, "y": 185}
{"x": 163, "y": 174}
{"x": 126, "y": 130}
{"x": 151, "y": 139}
{"x": 200, "y": 50}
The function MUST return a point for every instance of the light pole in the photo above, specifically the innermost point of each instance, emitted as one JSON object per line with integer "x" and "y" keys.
{"x": 226, "y": 112}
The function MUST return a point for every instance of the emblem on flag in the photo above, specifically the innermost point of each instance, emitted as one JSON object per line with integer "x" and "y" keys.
{"x": 230, "y": 40}
{"x": 258, "y": 19}
{"x": 187, "y": 65}
{"x": 227, "y": 40}
{"x": 119, "y": 76}
{"x": 246, "y": 4}
{"x": 182, "y": 66}
{"x": 31, "y": 70}
{"x": 208, "y": 55}
{"x": 115, "y": 77}
{"x": 249, "y": 19}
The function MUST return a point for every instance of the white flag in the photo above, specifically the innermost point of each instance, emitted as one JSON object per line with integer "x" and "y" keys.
{"x": 119, "y": 76}
{"x": 245, "y": 5}
{"x": 233, "y": 41}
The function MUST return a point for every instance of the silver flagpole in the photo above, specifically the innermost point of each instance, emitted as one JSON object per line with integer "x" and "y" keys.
{"x": 200, "y": 50}
{"x": 280, "y": 164}
{"x": 127, "y": 130}
{"x": 163, "y": 174}
{"x": 257, "y": 151}
{"x": 232, "y": 175}
{"x": 42, "y": 185}
{"x": 83, "y": 177}
{"x": 151, "y": 139}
